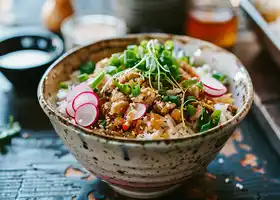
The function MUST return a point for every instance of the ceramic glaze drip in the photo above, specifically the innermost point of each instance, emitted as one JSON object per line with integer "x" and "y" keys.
{"x": 24, "y": 59}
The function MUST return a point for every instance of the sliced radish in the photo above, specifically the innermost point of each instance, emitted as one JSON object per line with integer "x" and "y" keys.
{"x": 85, "y": 97}
{"x": 83, "y": 87}
{"x": 86, "y": 115}
{"x": 135, "y": 111}
{"x": 212, "y": 83}
{"x": 69, "y": 109}
{"x": 215, "y": 93}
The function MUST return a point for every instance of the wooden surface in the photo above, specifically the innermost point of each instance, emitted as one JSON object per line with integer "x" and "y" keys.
{"x": 38, "y": 166}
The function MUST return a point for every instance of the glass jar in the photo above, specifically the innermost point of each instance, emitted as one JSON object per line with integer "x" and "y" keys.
{"x": 213, "y": 21}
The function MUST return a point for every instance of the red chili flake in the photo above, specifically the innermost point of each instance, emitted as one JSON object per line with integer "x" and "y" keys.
{"x": 125, "y": 127}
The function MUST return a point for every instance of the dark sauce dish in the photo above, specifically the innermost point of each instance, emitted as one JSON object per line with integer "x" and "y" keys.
{"x": 24, "y": 57}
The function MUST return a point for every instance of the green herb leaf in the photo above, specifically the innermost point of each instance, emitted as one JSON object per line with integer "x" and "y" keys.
{"x": 174, "y": 70}
{"x": 98, "y": 80}
{"x": 188, "y": 83}
{"x": 144, "y": 43}
{"x": 166, "y": 58}
{"x": 121, "y": 68}
{"x": 135, "y": 90}
{"x": 83, "y": 77}
{"x": 191, "y": 110}
{"x": 191, "y": 98}
{"x": 111, "y": 70}
{"x": 214, "y": 121}
{"x": 115, "y": 60}
{"x": 169, "y": 45}
{"x": 63, "y": 85}
{"x": 200, "y": 85}
{"x": 219, "y": 76}
{"x": 203, "y": 118}
{"x": 130, "y": 58}
{"x": 87, "y": 68}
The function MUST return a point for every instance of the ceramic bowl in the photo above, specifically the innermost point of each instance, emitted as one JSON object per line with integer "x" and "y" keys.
{"x": 144, "y": 168}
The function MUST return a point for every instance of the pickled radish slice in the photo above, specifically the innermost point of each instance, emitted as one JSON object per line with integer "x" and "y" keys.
{"x": 85, "y": 97}
{"x": 136, "y": 111}
{"x": 214, "y": 93}
{"x": 69, "y": 109}
{"x": 83, "y": 87}
{"x": 212, "y": 83}
{"x": 86, "y": 115}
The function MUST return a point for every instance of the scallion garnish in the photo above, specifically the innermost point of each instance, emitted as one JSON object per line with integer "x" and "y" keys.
{"x": 63, "y": 85}
{"x": 87, "y": 68}
{"x": 83, "y": 77}
{"x": 98, "y": 80}
{"x": 135, "y": 90}
{"x": 219, "y": 76}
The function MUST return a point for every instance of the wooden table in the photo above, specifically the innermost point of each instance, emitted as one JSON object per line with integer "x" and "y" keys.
{"x": 38, "y": 166}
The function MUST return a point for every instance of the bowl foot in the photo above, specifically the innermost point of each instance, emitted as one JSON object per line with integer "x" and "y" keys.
{"x": 143, "y": 194}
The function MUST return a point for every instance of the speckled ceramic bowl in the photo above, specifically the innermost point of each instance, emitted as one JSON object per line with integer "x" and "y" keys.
{"x": 137, "y": 168}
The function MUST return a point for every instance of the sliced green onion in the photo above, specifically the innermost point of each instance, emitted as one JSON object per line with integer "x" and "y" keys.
{"x": 172, "y": 99}
{"x": 200, "y": 85}
{"x": 63, "y": 85}
{"x": 130, "y": 58}
{"x": 219, "y": 76}
{"x": 144, "y": 43}
{"x": 98, "y": 80}
{"x": 83, "y": 77}
{"x": 115, "y": 60}
{"x": 214, "y": 121}
{"x": 125, "y": 89}
{"x": 169, "y": 45}
{"x": 135, "y": 90}
{"x": 191, "y": 110}
{"x": 111, "y": 70}
{"x": 87, "y": 68}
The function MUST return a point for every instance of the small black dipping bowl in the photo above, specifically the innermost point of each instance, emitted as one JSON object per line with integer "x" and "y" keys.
{"x": 25, "y": 79}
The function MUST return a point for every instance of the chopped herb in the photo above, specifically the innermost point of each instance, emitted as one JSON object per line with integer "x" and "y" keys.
{"x": 87, "y": 68}
{"x": 111, "y": 70}
{"x": 135, "y": 90}
{"x": 121, "y": 68}
{"x": 144, "y": 43}
{"x": 174, "y": 71}
{"x": 191, "y": 110}
{"x": 124, "y": 88}
{"x": 114, "y": 60}
{"x": 203, "y": 118}
{"x": 166, "y": 58}
{"x": 219, "y": 76}
{"x": 188, "y": 83}
{"x": 169, "y": 45}
{"x": 130, "y": 58}
{"x": 214, "y": 121}
{"x": 200, "y": 85}
{"x": 63, "y": 85}
{"x": 98, "y": 80}
{"x": 83, "y": 77}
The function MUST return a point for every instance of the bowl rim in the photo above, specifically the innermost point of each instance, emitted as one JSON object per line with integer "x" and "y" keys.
{"x": 90, "y": 133}
{"x": 42, "y": 34}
